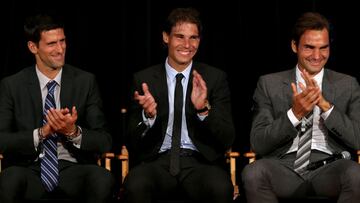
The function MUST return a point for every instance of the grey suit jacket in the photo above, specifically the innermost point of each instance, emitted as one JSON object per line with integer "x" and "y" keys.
{"x": 272, "y": 132}
{"x": 212, "y": 137}
{"x": 21, "y": 113}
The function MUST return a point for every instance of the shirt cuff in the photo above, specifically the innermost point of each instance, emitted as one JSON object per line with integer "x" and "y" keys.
{"x": 202, "y": 117}
{"x": 77, "y": 140}
{"x": 148, "y": 121}
{"x": 325, "y": 115}
{"x": 293, "y": 118}
{"x": 36, "y": 138}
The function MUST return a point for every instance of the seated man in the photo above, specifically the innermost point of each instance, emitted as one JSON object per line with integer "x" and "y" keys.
{"x": 304, "y": 115}
{"x": 176, "y": 139}
{"x": 52, "y": 125}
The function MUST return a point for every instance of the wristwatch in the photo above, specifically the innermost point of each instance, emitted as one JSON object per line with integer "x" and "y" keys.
{"x": 206, "y": 108}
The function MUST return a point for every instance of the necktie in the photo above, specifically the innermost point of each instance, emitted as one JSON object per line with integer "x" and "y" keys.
{"x": 304, "y": 146}
{"x": 49, "y": 162}
{"x": 176, "y": 135}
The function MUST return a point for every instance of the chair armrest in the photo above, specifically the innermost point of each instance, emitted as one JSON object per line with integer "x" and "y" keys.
{"x": 123, "y": 157}
{"x": 251, "y": 156}
{"x": 107, "y": 157}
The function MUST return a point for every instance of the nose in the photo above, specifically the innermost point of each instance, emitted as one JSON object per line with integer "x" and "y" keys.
{"x": 316, "y": 54}
{"x": 186, "y": 43}
{"x": 60, "y": 46}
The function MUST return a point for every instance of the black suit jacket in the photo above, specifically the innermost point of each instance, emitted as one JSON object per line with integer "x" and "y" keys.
{"x": 21, "y": 113}
{"x": 212, "y": 137}
{"x": 272, "y": 132}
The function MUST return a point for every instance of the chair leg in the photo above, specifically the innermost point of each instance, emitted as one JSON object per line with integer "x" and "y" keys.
{"x": 232, "y": 159}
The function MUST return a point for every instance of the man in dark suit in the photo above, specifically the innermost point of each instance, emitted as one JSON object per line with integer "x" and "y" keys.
{"x": 286, "y": 103}
{"x": 75, "y": 122}
{"x": 205, "y": 121}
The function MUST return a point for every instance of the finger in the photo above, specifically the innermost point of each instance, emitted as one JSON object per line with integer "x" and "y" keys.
{"x": 64, "y": 111}
{"x": 52, "y": 114}
{"x": 312, "y": 96}
{"x": 136, "y": 95}
{"x": 310, "y": 81}
{"x": 52, "y": 122}
{"x": 294, "y": 89}
{"x": 195, "y": 81}
{"x": 58, "y": 115}
{"x": 152, "y": 109}
{"x": 202, "y": 83}
{"x": 316, "y": 101}
{"x": 148, "y": 100}
{"x": 139, "y": 98}
{"x": 313, "y": 82}
{"x": 49, "y": 118}
{"x": 305, "y": 75}
{"x": 302, "y": 86}
{"x": 196, "y": 77}
{"x": 74, "y": 113}
{"x": 145, "y": 88}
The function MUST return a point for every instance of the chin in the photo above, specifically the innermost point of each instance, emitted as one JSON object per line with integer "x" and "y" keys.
{"x": 57, "y": 67}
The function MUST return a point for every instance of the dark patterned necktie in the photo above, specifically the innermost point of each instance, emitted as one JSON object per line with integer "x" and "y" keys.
{"x": 49, "y": 162}
{"x": 176, "y": 134}
{"x": 304, "y": 145}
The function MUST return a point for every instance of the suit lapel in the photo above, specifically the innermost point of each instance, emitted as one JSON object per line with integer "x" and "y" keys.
{"x": 188, "y": 103}
{"x": 328, "y": 89}
{"x": 290, "y": 77}
{"x": 66, "y": 90}
{"x": 34, "y": 87}
{"x": 161, "y": 92}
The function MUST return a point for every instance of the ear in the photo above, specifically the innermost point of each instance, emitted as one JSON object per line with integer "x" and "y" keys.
{"x": 32, "y": 47}
{"x": 293, "y": 46}
{"x": 165, "y": 37}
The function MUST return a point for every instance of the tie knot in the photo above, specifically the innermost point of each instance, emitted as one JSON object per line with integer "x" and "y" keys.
{"x": 51, "y": 85}
{"x": 179, "y": 77}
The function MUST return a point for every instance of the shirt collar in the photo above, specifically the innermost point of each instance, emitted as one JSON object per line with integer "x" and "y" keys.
{"x": 43, "y": 80}
{"x": 318, "y": 77}
{"x": 171, "y": 72}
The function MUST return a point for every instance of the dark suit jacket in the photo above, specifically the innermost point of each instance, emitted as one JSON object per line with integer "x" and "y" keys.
{"x": 212, "y": 137}
{"x": 21, "y": 113}
{"x": 272, "y": 132}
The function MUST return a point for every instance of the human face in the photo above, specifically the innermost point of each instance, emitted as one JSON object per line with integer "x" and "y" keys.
{"x": 313, "y": 50}
{"x": 50, "y": 51}
{"x": 183, "y": 43}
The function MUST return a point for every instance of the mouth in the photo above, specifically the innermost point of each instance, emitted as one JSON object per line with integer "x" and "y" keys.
{"x": 58, "y": 57}
{"x": 185, "y": 53}
{"x": 316, "y": 62}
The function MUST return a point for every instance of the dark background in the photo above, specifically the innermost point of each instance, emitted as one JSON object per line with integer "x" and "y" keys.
{"x": 113, "y": 39}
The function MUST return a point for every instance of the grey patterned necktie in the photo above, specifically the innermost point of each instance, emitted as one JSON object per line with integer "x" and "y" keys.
{"x": 304, "y": 145}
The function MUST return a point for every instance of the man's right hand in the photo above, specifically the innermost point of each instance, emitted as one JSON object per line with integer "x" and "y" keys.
{"x": 147, "y": 101}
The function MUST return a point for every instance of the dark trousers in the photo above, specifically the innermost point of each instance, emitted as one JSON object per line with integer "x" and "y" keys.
{"x": 88, "y": 183}
{"x": 200, "y": 181}
{"x": 266, "y": 180}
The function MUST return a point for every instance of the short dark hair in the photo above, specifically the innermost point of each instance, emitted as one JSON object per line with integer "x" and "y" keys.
{"x": 179, "y": 15}
{"x": 309, "y": 21}
{"x": 36, "y": 24}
